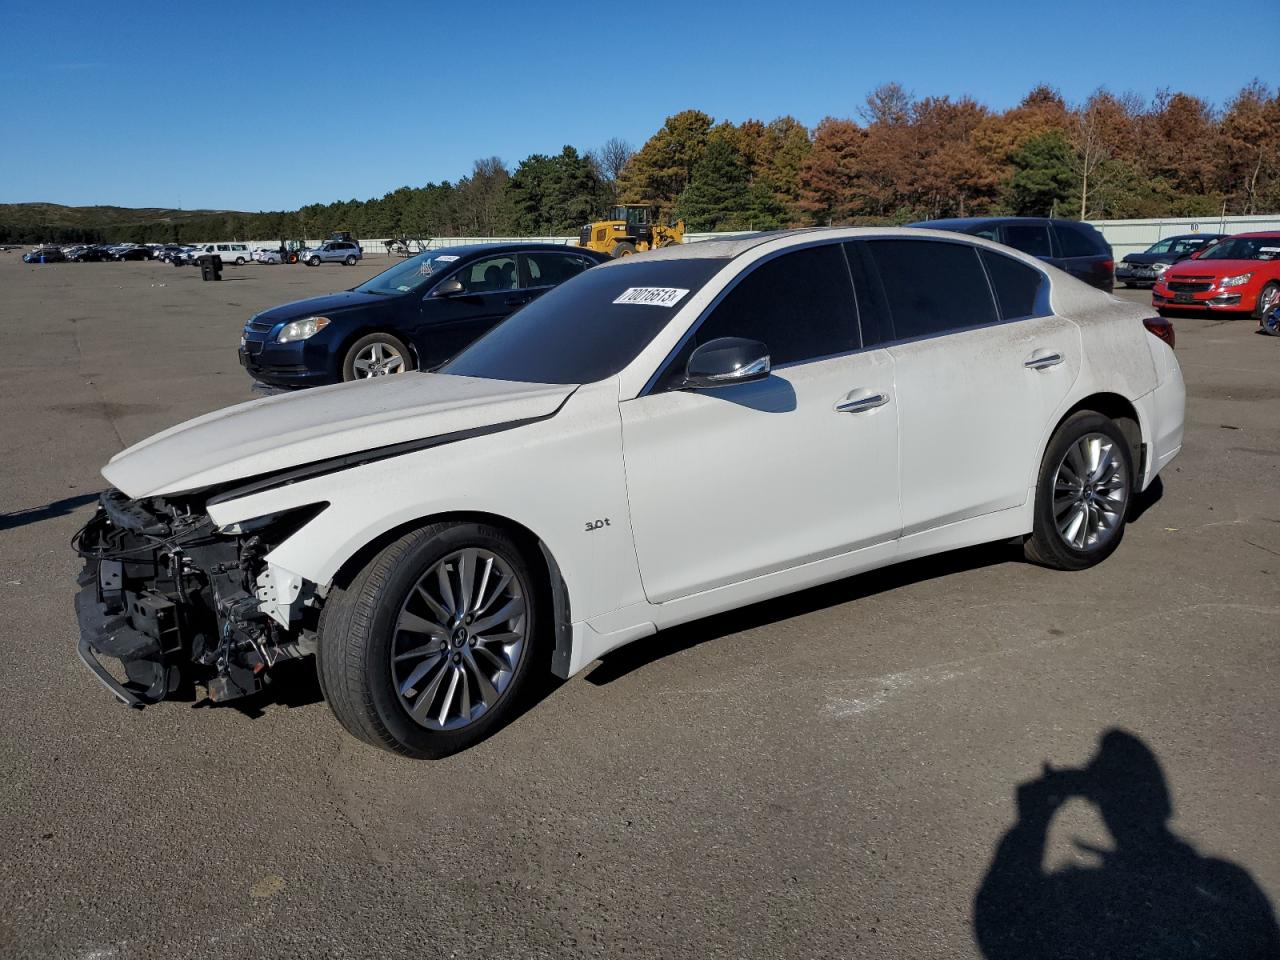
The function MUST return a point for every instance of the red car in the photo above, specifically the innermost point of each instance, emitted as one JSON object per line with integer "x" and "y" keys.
{"x": 1239, "y": 275}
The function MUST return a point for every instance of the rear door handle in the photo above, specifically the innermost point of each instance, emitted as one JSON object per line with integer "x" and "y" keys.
{"x": 860, "y": 401}
{"x": 516, "y": 301}
{"x": 1042, "y": 359}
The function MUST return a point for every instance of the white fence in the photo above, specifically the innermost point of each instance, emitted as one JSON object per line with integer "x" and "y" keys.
{"x": 1134, "y": 236}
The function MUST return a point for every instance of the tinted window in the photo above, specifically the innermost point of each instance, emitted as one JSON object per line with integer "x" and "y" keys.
{"x": 1073, "y": 241}
{"x": 576, "y": 332}
{"x": 547, "y": 268}
{"x": 1017, "y": 285}
{"x": 932, "y": 287}
{"x": 800, "y": 305}
{"x": 489, "y": 275}
{"x": 1032, "y": 238}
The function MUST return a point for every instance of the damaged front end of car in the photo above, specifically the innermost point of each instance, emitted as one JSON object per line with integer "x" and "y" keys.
{"x": 180, "y": 602}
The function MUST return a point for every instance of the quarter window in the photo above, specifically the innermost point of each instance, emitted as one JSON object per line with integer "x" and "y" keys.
{"x": 1017, "y": 286}
{"x": 800, "y": 305}
{"x": 932, "y": 287}
{"x": 1032, "y": 238}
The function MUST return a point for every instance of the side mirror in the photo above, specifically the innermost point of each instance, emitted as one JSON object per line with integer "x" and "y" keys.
{"x": 725, "y": 361}
{"x": 450, "y": 288}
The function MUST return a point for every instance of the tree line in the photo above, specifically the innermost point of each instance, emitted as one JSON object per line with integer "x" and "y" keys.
{"x": 901, "y": 158}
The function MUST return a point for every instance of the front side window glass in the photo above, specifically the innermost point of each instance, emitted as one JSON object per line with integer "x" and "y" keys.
{"x": 800, "y": 305}
{"x": 489, "y": 275}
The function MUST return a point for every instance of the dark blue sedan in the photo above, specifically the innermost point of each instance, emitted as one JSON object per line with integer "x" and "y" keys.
{"x": 416, "y": 315}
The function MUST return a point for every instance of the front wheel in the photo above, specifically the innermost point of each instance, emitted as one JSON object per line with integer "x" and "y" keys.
{"x": 1082, "y": 494}
{"x": 1268, "y": 300}
{"x": 376, "y": 355}
{"x": 239, "y": 261}
{"x": 313, "y": 262}
{"x": 430, "y": 647}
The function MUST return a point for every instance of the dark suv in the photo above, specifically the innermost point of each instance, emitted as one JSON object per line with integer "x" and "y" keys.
{"x": 1069, "y": 245}
{"x": 415, "y": 315}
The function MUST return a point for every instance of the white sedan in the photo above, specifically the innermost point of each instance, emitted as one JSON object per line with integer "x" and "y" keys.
{"x": 658, "y": 439}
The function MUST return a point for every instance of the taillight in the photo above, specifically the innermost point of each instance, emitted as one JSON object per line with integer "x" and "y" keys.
{"x": 1108, "y": 266}
{"x": 1161, "y": 328}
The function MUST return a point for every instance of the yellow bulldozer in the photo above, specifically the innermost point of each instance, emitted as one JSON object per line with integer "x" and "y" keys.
{"x": 635, "y": 227}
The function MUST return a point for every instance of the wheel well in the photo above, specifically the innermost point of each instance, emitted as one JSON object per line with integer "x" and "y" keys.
{"x": 546, "y": 570}
{"x": 355, "y": 335}
{"x": 1117, "y": 408}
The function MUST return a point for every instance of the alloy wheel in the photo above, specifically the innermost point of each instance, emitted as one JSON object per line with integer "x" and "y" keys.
{"x": 378, "y": 359}
{"x": 1090, "y": 492}
{"x": 459, "y": 639}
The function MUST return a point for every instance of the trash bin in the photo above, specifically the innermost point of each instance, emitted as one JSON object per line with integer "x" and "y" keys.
{"x": 210, "y": 267}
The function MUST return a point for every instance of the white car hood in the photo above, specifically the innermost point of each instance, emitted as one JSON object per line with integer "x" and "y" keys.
{"x": 289, "y": 430}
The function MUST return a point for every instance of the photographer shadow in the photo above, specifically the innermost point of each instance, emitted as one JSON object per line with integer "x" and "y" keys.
{"x": 1153, "y": 896}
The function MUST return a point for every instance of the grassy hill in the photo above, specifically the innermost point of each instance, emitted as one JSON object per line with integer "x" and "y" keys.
{"x": 36, "y": 222}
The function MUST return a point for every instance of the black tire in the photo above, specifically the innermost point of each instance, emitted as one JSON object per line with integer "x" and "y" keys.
{"x": 622, "y": 249}
{"x": 349, "y": 359}
{"x": 1268, "y": 297}
{"x": 357, "y": 632}
{"x": 239, "y": 261}
{"x": 1046, "y": 546}
{"x": 313, "y": 262}
{"x": 350, "y": 261}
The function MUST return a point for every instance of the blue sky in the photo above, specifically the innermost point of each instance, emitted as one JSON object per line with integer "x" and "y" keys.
{"x": 263, "y": 105}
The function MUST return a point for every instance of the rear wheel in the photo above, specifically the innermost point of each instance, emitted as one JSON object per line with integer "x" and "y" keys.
{"x": 350, "y": 261}
{"x": 1082, "y": 494}
{"x": 239, "y": 261}
{"x": 376, "y": 355}
{"x": 623, "y": 249}
{"x": 430, "y": 648}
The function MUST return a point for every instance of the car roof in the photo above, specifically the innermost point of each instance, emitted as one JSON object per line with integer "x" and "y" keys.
{"x": 726, "y": 248}
{"x": 472, "y": 249}
{"x": 1264, "y": 234}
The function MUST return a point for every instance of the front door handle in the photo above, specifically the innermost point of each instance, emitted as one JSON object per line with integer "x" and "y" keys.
{"x": 516, "y": 301}
{"x": 1042, "y": 359}
{"x": 861, "y": 402}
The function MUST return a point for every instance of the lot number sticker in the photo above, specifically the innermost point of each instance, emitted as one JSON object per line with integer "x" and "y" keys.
{"x": 652, "y": 296}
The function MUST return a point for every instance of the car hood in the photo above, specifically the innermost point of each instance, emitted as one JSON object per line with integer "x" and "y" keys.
{"x": 290, "y": 430}
{"x": 1150, "y": 258}
{"x": 1214, "y": 268}
{"x": 322, "y": 305}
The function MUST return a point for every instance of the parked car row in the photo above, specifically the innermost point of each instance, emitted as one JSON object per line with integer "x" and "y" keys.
{"x": 333, "y": 251}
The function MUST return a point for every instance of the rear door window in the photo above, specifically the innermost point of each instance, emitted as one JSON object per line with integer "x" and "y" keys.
{"x": 1016, "y": 285}
{"x": 1032, "y": 238}
{"x": 1074, "y": 242}
{"x": 932, "y": 287}
{"x": 548, "y": 268}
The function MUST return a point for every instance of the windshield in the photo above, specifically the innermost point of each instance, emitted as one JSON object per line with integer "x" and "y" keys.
{"x": 588, "y": 328}
{"x": 1245, "y": 248}
{"x": 1179, "y": 245}
{"x": 413, "y": 274}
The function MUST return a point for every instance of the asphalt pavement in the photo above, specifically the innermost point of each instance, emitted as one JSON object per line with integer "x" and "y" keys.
{"x": 831, "y": 774}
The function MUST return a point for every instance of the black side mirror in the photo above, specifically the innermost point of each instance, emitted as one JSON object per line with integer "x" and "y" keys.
{"x": 725, "y": 361}
{"x": 450, "y": 288}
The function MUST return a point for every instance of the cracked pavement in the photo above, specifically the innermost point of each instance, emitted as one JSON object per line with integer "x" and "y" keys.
{"x": 826, "y": 774}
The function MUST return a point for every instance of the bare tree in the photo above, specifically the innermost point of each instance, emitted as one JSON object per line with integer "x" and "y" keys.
{"x": 610, "y": 160}
{"x": 889, "y": 104}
